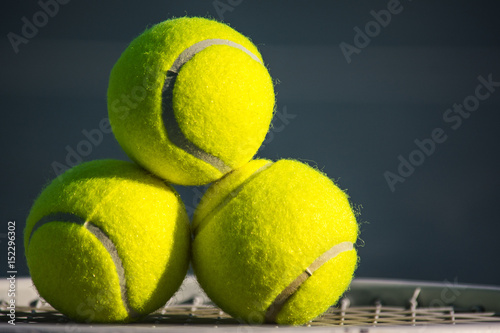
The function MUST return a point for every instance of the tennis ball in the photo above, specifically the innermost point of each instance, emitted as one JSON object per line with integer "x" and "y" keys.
{"x": 273, "y": 242}
{"x": 107, "y": 242}
{"x": 190, "y": 100}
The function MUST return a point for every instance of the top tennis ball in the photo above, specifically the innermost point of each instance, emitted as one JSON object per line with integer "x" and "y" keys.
{"x": 190, "y": 99}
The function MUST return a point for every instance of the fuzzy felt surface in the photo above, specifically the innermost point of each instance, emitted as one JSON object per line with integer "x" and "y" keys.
{"x": 142, "y": 216}
{"x": 266, "y": 232}
{"x": 223, "y": 100}
{"x": 223, "y": 190}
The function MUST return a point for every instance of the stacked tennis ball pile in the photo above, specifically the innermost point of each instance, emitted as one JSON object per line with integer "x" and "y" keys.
{"x": 190, "y": 101}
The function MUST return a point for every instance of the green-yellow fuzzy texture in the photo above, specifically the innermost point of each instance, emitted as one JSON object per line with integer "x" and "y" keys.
{"x": 223, "y": 100}
{"x": 251, "y": 241}
{"x": 143, "y": 217}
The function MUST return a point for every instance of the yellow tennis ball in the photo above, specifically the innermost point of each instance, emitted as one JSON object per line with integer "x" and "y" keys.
{"x": 190, "y": 99}
{"x": 107, "y": 242}
{"x": 273, "y": 242}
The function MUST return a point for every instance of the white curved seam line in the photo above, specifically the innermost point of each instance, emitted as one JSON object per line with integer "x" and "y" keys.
{"x": 103, "y": 239}
{"x": 172, "y": 128}
{"x": 278, "y": 303}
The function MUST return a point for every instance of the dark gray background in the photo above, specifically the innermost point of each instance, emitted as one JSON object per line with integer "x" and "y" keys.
{"x": 352, "y": 120}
